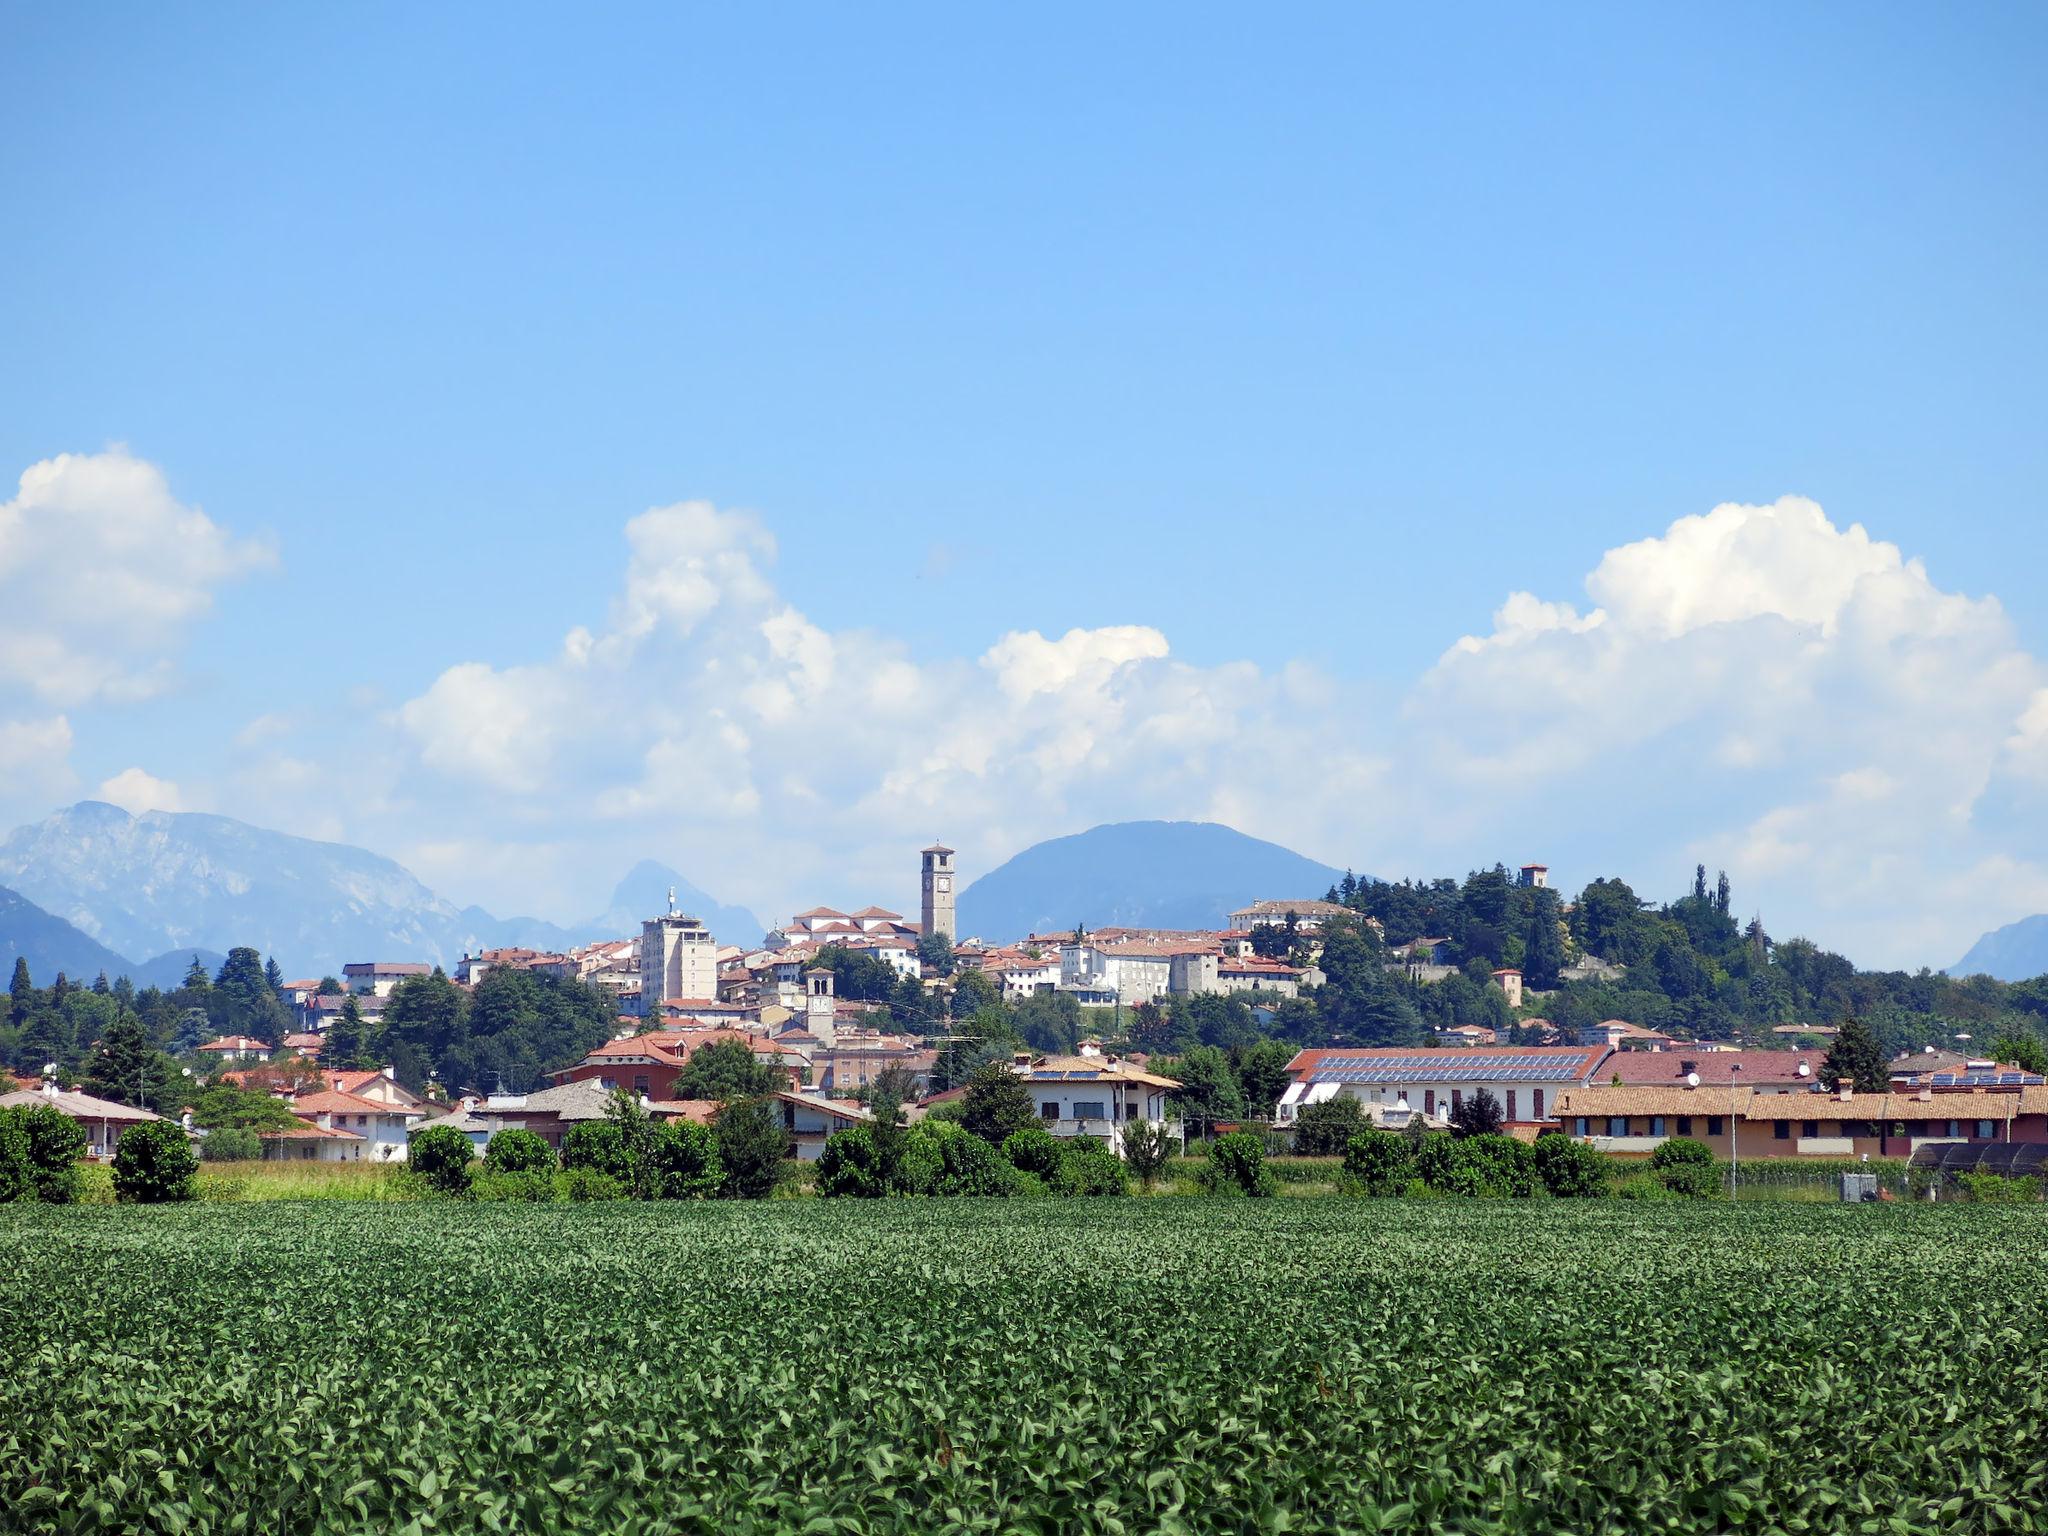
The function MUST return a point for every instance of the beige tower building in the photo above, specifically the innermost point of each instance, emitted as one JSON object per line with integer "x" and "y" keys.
{"x": 937, "y": 916}
{"x": 678, "y": 961}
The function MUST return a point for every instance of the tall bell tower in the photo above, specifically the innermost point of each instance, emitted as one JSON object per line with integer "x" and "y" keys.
{"x": 938, "y": 892}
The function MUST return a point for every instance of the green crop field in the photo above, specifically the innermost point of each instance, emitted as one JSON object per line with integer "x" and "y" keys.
{"x": 1134, "y": 1365}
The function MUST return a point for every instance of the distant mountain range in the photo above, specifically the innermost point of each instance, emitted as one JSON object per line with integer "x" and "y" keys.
{"x": 2016, "y": 952}
{"x": 92, "y": 885}
{"x": 1137, "y": 874}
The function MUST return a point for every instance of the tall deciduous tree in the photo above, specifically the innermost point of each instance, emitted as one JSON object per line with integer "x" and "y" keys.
{"x": 725, "y": 1069}
{"x": 997, "y": 1103}
{"x": 1209, "y": 1090}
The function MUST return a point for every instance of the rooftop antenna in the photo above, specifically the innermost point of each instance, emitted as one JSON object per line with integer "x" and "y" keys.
{"x": 671, "y": 901}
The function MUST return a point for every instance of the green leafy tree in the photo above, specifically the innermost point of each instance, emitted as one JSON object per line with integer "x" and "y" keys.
{"x": 1686, "y": 1167}
{"x": 1146, "y": 1148}
{"x": 1208, "y": 1091}
{"x": 441, "y": 1155}
{"x": 971, "y": 992}
{"x": 753, "y": 1149}
{"x": 687, "y": 1156}
{"x": 887, "y": 1094}
{"x": 1478, "y": 1115}
{"x": 965, "y": 1163}
{"x": 231, "y": 1144}
{"x": 1382, "y": 1162}
{"x": 1237, "y": 1166}
{"x": 1033, "y": 1150}
{"x": 935, "y": 953}
{"x": 2025, "y": 1051}
{"x": 39, "y": 1152}
{"x": 998, "y": 1104}
{"x": 1261, "y": 1069}
{"x": 1358, "y": 1000}
{"x": 596, "y": 1147}
{"x": 127, "y": 1068}
{"x": 850, "y": 1167}
{"x": 726, "y": 1069}
{"x": 1855, "y": 1058}
{"x": 1570, "y": 1169}
{"x": 154, "y": 1164}
{"x": 224, "y": 1106}
{"x": 1088, "y": 1169}
{"x": 1327, "y": 1129}
{"x": 517, "y": 1150}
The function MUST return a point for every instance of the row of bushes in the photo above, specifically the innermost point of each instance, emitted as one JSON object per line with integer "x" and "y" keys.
{"x": 743, "y": 1154}
{"x": 938, "y": 1157}
{"x": 1501, "y": 1167}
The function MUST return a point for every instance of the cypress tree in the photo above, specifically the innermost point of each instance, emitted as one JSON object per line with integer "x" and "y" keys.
{"x": 1856, "y": 1059}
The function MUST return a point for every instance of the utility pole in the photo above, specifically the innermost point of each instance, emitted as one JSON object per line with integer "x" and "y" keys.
{"x": 1734, "y": 1152}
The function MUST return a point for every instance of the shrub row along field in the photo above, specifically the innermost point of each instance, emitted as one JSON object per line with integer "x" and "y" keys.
{"x": 1052, "y": 1366}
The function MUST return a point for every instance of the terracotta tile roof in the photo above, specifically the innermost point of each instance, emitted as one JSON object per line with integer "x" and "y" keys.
{"x": 696, "y": 1111}
{"x": 332, "y": 1102}
{"x": 310, "y": 1132}
{"x": 1758, "y": 1068}
{"x": 1086, "y": 1069}
{"x": 236, "y": 1043}
{"x": 1660, "y": 1099}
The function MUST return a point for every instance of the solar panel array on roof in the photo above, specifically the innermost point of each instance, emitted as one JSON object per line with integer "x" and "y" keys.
{"x": 1975, "y": 1079}
{"x": 1065, "y": 1075}
{"x": 1447, "y": 1067}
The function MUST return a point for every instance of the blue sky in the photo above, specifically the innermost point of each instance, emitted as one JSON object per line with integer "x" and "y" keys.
{"x": 1301, "y": 339}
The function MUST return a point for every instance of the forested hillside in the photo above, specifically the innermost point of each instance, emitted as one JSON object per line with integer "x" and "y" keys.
{"x": 1693, "y": 967}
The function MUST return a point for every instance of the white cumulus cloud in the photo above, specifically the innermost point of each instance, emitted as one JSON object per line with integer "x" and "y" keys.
{"x": 136, "y": 791}
{"x": 101, "y": 571}
{"x": 1756, "y": 687}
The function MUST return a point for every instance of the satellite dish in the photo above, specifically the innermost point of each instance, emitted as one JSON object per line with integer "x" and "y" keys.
{"x": 1928, "y": 1049}
{"x": 1692, "y": 1079}
{"x": 1805, "y": 1070}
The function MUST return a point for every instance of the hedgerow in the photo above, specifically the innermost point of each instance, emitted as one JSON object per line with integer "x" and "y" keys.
{"x": 1087, "y": 1366}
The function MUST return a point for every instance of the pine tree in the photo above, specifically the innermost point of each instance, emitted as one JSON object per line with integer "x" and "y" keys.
{"x": 274, "y": 974}
{"x": 1856, "y": 1059}
{"x": 346, "y": 1047}
{"x": 196, "y": 979}
{"x": 101, "y": 985}
{"x": 243, "y": 1002}
{"x": 23, "y": 991}
{"x": 127, "y": 1069}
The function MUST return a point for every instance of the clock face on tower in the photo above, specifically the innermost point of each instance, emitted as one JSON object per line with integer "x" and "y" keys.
{"x": 943, "y": 883}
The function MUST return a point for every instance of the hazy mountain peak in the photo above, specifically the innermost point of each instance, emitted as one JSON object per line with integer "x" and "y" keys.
{"x": 1139, "y": 874}
{"x": 180, "y": 881}
{"x": 2016, "y": 952}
